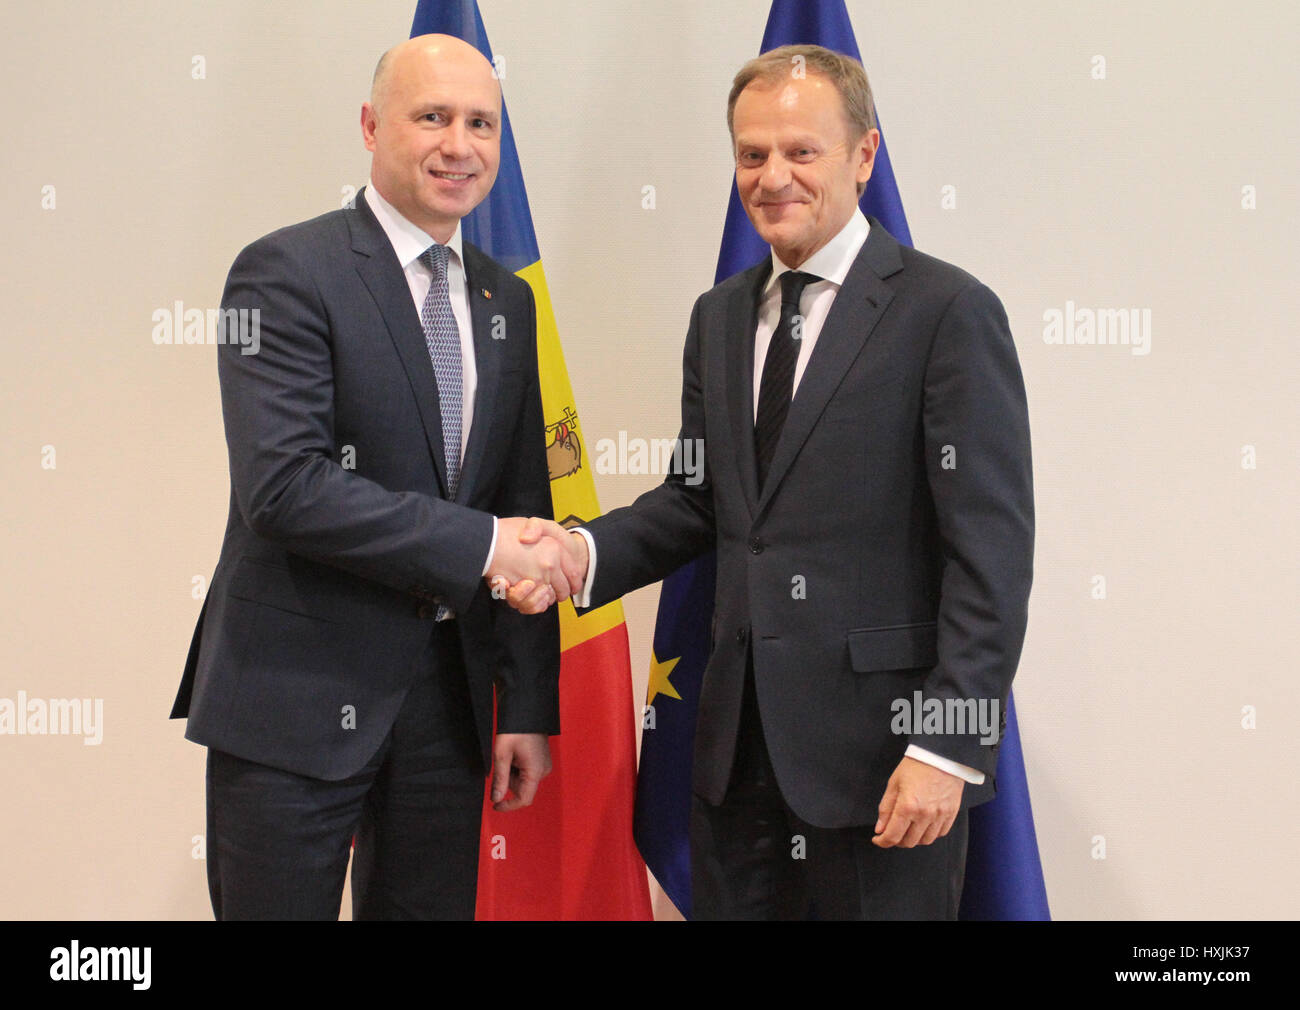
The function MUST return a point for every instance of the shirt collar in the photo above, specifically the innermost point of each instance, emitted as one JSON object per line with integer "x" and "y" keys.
{"x": 409, "y": 241}
{"x": 832, "y": 261}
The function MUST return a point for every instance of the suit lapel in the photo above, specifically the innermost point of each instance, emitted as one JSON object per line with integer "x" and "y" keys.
{"x": 861, "y": 301}
{"x": 742, "y": 321}
{"x": 480, "y": 279}
{"x": 383, "y": 277}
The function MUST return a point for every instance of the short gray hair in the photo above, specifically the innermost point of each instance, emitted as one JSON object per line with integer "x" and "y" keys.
{"x": 846, "y": 73}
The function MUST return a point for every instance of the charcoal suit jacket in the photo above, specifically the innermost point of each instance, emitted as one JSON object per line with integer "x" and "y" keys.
{"x": 889, "y": 551}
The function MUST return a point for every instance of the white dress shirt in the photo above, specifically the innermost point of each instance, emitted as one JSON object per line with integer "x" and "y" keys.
{"x": 410, "y": 242}
{"x": 831, "y": 263}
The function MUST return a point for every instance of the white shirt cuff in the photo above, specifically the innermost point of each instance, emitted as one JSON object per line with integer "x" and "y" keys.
{"x": 963, "y": 772}
{"x": 492, "y": 547}
{"x": 583, "y": 599}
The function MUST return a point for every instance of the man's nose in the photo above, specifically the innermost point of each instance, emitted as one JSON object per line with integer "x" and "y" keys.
{"x": 455, "y": 141}
{"x": 776, "y": 174}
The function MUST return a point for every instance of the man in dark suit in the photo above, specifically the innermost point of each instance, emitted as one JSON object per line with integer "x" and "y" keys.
{"x": 344, "y": 666}
{"x": 867, "y": 488}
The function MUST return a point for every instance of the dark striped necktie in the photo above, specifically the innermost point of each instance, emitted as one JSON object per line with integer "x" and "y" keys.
{"x": 776, "y": 388}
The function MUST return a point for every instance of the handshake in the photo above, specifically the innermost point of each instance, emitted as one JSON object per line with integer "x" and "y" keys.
{"x": 536, "y": 563}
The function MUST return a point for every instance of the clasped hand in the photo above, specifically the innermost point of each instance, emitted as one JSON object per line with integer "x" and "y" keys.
{"x": 536, "y": 563}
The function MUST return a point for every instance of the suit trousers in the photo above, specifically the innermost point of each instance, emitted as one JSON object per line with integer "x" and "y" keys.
{"x": 278, "y": 842}
{"x": 752, "y": 857}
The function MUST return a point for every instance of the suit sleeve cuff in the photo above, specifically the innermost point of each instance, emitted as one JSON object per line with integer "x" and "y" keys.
{"x": 963, "y": 772}
{"x": 583, "y": 599}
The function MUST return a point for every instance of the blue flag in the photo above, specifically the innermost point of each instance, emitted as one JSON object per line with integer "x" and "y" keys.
{"x": 1004, "y": 878}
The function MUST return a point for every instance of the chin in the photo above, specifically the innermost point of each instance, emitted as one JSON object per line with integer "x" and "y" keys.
{"x": 779, "y": 240}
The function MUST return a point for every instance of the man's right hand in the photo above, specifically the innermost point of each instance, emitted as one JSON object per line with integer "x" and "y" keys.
{"x": 532, "y": 596}
{"x": 535, "y": 564}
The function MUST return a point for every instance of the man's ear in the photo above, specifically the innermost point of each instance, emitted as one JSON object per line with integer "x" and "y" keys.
{"x": 865, "y": 153}
{"x": 369, "y": 120}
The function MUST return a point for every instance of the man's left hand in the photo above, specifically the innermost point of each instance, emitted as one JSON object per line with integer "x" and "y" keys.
{"x": 519, "y": 762}
{"x": 920, "y": 804}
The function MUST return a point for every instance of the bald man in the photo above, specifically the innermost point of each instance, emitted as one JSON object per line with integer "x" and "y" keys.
{"x": 344, "y": 666}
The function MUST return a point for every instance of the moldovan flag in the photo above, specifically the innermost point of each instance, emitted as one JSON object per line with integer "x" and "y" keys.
{"x": 1004, "y": 879}
{"x": 570, "y": 855}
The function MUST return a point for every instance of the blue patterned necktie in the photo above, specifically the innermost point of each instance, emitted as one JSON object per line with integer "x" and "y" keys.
{"x": 443, "y": 340}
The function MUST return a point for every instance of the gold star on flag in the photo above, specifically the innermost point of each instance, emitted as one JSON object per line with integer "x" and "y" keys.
{"x": 659, "y": 682}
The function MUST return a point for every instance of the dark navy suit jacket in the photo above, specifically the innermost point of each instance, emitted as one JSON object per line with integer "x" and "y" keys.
{"x": 341, "y": 539}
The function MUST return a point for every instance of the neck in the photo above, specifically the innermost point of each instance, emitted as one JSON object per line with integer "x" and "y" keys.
{"x": 439, "y": 230}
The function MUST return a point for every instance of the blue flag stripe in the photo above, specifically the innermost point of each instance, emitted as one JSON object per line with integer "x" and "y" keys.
{"x": 502, "y": 225}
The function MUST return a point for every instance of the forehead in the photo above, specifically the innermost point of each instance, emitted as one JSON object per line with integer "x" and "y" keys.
{"x": 453, "y": 81}
{"x": 810, "y": 104}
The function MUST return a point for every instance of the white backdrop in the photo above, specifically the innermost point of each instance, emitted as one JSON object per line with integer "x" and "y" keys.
{"x": 1102, "y": 155}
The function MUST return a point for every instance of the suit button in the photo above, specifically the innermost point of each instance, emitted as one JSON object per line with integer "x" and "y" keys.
{"x": 742, "y": 633}
{"x": 426, "y": 612}
{"x": 756, "y": 546}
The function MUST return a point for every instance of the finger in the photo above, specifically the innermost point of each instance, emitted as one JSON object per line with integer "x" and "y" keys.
{"x": 529, "y": 597}
{"x": 533, "y": 531}
{"x": 886, "y": 808}
{"x": 573, "y": 561}
{"x": 542, "y": 597}
{"x": 516, "y": 797}
{"x": 895, "y": 829}
{"x": 525, "y": 786}
{"x": 560, "y": 585}
{"x": 933, "y": 831}
{"x": 517, "y": 595}
{"x": 545, "y": 559}
{"x": 915, "y": 832}
{"x": 550, "y": 528}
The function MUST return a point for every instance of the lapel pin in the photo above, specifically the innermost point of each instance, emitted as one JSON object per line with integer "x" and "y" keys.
{"x": 487, "y": 293}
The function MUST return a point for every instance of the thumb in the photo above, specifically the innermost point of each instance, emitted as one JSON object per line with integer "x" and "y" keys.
{"x": 501, "y": 762}
{"x": 533, "y": 531}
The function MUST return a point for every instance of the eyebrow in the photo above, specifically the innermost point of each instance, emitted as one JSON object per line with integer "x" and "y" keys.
{"x": 803, "y": 141}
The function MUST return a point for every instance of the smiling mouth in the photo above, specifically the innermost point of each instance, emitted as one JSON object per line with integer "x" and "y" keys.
{"x": 452, "y": 176}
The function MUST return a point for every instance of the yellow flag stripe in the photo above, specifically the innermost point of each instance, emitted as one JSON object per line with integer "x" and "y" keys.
{"x": 573, "y": 494}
